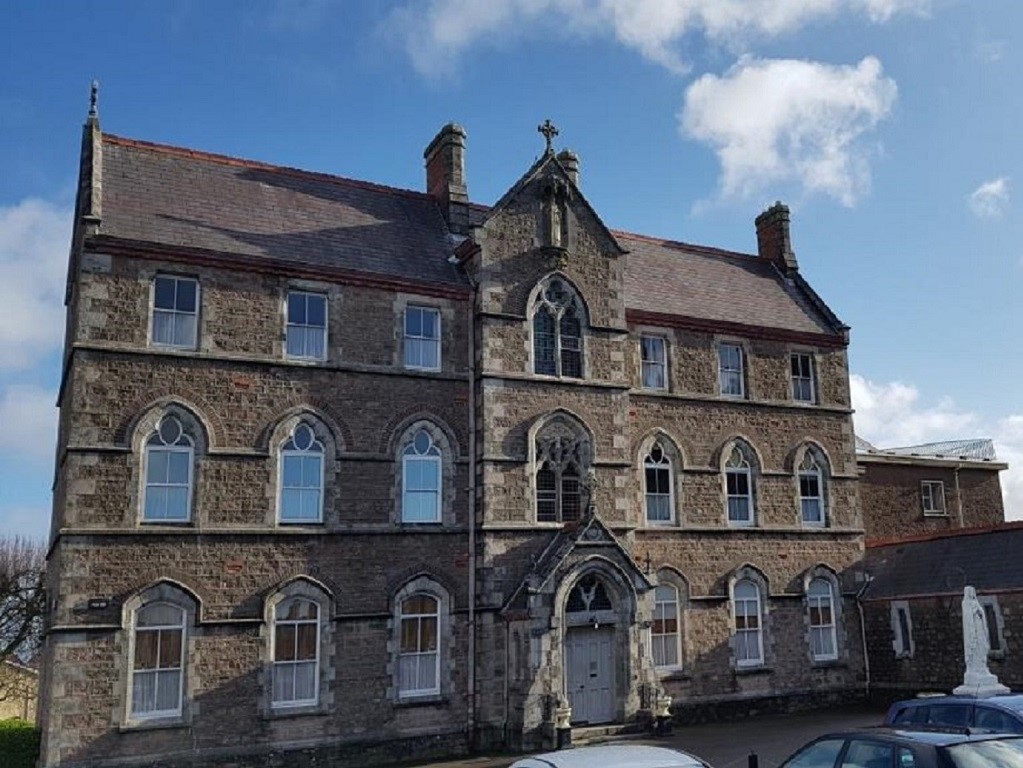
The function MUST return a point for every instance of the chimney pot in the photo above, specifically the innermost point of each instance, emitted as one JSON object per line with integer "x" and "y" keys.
{"x": 570, "y": 162}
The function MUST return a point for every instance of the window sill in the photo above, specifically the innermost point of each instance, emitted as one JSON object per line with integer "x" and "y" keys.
{"x": 757, "y": 670}
{"x": 155, "y": 724}
{"x": 940, "y": 515}
{"x": 673, "y": 673}
{"x": 307, "y": 710}
{"x": 297, "y": 523}
{"x": 829, "y": 664}
{"x": 168, "y": 523}
{"x": 429, "y": 700}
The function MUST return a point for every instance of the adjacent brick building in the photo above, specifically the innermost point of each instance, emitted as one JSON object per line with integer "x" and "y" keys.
{"x": 348, "y": 471}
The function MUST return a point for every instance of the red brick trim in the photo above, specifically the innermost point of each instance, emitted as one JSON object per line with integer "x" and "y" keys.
{"x": 643, "y": 317}
{"x": 206, "y": 258}
{"x": 979, "y": 530}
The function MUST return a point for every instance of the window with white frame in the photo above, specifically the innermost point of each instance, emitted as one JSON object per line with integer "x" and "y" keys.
{"x": 175, "y": 311}
{"x": 749, "y": 640}
{"x": 169, "y": 458}
{"x": 820, "y": 603}
{"x": 932, "y": 497}
{"x": 307, "y": 325}
{"x": 557, "y": 332}
{"x": 422, "y": 338}
{"x": 296, "y": 653}
{"x": 419, "y": 647}
{"x": 421, "y": 480}
{"x": 665, "y": 635}
{"x": 158, "y": 660}
{"x": 730, "y": 370}
{"x": 803, "y": 389}
{"x": 301, "y": 484}
{"x": 654, "y": 362}
{"x": 739, "y": 488}
{"x": 811, "y": 496}
{"x": 902, "y": 630}
{"x": 657, "y": 490}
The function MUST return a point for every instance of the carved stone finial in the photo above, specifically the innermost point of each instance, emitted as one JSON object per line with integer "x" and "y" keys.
{"x": 549, "y": 131}
{"x": 94, "y": 99}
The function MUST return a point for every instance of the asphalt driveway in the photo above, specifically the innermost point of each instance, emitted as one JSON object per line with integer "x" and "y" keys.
{"x": 727, "y": 745}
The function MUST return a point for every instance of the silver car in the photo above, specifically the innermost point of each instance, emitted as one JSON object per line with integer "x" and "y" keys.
{"x": 613, "y": 756}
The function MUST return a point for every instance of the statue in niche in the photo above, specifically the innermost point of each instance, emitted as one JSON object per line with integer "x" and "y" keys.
{"x": 555, "y": 201}
{"x": 978, "y": 680}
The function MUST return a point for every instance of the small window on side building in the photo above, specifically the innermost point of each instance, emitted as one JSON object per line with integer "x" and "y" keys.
{"x": 932, "y": 497}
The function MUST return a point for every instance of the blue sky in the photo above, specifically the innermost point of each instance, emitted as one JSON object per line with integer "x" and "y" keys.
{"x": 891, "y": 128}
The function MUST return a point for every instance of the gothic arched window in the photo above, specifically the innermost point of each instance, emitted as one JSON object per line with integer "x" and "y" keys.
{"x": 562, "y": 461}
{"x": 821, "y": 606}
{"x": 657, "y": 487}
{"x": 557, "y": 332}
{"x": 739, "y": 487}
{"x": 169, "y": 460}
{"x": 296, "y": 653}
{"x": 421, "y": 480}
{"x": 158, "y": 661}
{"x": 749, "y": 634}
{"x": 301, "y": 486}
{"x": 811, "y": 490}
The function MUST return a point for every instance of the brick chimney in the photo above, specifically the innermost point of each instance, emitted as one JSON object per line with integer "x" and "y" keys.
{"x": 773, "y": 240}
{"x": 445, "y": 176}
{"x": 570, "y": 162}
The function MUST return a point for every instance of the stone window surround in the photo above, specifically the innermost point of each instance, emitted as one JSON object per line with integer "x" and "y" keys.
{"x": 172, "y": 593}
{"x": 324, "y": 434}
{"x": 535, "y": 302}
{"x": 307, "y": 588}
{"x": 671, "y": 577}
{"x": 445, "y": 444}
{"x": 439, "y": 339}
{"x": 814, "y": 389}
{"x": 823, "y": 462}
{"x": 447, "y": 314}
{"x": 308, "y": 289}
{"x": 664, "y": 337}
{"x": 425, "y": 585}
{"x": 744, "y": 356}
{"x": 676, "y": 463}
{"x": 757, "y": 578}
{"x": 752, "y": 457}
{"x": 898, "y": 641}
{"x": 152, "y": 276}
{"x": 193, "y": 428}
{"x": 841, "y": 647}
{"x": 551, "y": 429}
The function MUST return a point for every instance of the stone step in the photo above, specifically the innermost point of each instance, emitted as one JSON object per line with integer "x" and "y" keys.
{"x": 596, "y": 734}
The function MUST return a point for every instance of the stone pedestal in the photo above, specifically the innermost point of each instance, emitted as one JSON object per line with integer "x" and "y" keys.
{"x": 980, "y": 684}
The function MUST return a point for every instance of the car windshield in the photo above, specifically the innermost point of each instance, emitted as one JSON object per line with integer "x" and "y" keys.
{"x": 1000, "y": 753}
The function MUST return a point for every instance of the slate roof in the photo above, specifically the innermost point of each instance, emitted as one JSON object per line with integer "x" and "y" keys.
{"x": 173, "y": 197}
{"x": 986, "y": 559}
{"x": 979, "y": 449}
{"x": 178, "y": 198}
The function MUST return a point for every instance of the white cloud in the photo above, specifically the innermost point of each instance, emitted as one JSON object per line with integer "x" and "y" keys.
{"x": 34, "y": 240}
{"x": 892, "y": 414}
{"x": 436, "y": 34}
{"x": 773, "y": 121}
{"x": 989, "y": 200}
{"x": 29, "y": 416}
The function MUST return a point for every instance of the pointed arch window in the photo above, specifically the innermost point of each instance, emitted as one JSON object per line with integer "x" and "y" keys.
{"x": 419, "y": 653}
{"x": 421, "y": 480}
{"x": 749, "y": 639}
{"x": 739, "y": 488}
{"x": 821, "y": 607}
{"x": 657, "y": 487}
{"x": 557, "y": 332}
{"x": 158, "y": 658}
{"x": 169, "y": 467}
{"x": 558, "y": 493}
{"x": 296, "y": 653}
{"x": 589, "y": 595}
{"x": 811, "y": 490}
{"x": 665, "y": 636}
{"x": 301, "y": 494}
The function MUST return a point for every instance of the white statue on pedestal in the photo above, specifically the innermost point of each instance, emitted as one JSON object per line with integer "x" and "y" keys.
{"x": 978, "y": 679}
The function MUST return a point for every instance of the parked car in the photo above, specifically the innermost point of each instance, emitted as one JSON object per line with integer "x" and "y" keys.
{"x": 895, "y": 748}
{"x": 995, "y": 714}
{"x": 613, "y": 756}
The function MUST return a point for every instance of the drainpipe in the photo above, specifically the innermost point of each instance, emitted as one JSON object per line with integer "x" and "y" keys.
{"x": 471, "y": 327}
{"x": 959, "y": 496}
{"x": 863, "y": 633}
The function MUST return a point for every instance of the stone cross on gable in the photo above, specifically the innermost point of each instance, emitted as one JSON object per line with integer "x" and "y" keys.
{"x": 549, "y": 131}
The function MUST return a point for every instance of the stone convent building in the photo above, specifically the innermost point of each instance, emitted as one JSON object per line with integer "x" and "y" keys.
{"x": 347, "y": 472}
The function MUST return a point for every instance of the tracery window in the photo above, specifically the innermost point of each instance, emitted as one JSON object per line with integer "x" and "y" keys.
{"x": 421, "y": 480}
{"x": 557, "y": 332}
{"x": 589, "y": 595}
{"x": 739, "y": 487}
{"x": 657, "y": 486}
{"x": 169, "y": 458}
{"x": 562, "y": 460}
{"x": 301, "y": 486}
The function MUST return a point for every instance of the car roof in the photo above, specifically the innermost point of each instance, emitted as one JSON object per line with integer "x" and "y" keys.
{"x": 934, "y": 738}
{"x": 1013, "y": 701}
{"x": 612, "y": 756}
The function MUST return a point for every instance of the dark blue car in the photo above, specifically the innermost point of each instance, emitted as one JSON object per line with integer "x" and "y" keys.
{"x": 993, "y": 714}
